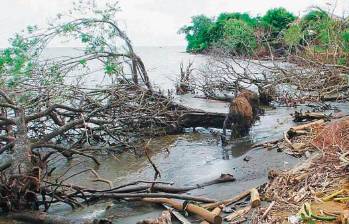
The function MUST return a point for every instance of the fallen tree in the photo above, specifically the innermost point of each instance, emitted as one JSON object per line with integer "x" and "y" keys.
{"x": 49, "y": 109}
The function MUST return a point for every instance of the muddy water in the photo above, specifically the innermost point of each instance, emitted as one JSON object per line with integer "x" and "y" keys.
{"x": 193, "y": 158}
{"x": 189, "y": 159}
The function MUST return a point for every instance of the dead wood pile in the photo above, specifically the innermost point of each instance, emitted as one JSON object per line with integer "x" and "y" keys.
{"x": 317, "y": 190}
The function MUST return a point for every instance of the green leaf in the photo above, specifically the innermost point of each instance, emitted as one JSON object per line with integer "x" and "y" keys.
{"x": 83, "y": 61}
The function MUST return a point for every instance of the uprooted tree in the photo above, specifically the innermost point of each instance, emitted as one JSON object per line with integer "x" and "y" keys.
{"x": 54, "y": 105}
{"x": 45, "y": 102}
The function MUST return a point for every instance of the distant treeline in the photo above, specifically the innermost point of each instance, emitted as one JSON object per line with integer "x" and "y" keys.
{"x": 318, "y": 34}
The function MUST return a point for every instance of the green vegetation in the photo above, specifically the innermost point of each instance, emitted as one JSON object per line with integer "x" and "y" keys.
{"x": 293, "y": 36}
{"x": 277, "y": 20}
{"x": 97, "y": 34}
{"x": 239, "y": 36}
{"x": 318, "y": 35}
{"x": 236, "y": 31}
{"x": 198, "y": 33}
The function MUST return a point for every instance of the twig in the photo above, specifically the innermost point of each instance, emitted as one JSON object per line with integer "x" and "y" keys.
{"x": 157, "y": 172}
{"x": 268, "y": 210}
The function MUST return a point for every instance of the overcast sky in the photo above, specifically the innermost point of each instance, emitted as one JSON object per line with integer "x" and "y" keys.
{"x": 149, "y": 22}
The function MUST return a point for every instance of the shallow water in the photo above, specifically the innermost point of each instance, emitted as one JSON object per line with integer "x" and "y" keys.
{"x": 188, "y": 158}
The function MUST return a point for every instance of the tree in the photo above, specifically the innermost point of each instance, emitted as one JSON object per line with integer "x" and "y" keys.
{"x": 46, "y": 108}
{"x": 197, "y": 34}
{"x": 277, "y": 20}
{"x": 314, "y": 16}
{"x": 216, "y": 32}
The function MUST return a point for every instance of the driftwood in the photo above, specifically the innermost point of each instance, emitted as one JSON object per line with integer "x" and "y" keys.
{"x": 201, "y": 119}
{"x": 255, "y": 199}
{"x": 295, "y": 146}
{"x": 44, "y": 218}
{"x": 216, "y": 211}
{"x": 178, "y": 215}
{"x": 308, "y": 116}
{"x": 225, "y": 98}
{"x": 268, "y": 210}
{"x": 170, "y": 189}
{"x": 304, "y": 127}
{"x": 255, "y": 202}
{"x": 228, "y": 201}
{"x": 192, "y": 208}
{"x": 238, "y": 214}
{"x": 149, "y": 195}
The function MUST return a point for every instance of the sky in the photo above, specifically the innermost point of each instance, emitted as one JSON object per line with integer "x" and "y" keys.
{"x": 150, "y": 22}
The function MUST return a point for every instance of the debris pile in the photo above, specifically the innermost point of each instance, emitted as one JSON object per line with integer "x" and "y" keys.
{"x": 318, "y": 190}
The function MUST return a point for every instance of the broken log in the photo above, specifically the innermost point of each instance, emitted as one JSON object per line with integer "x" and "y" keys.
{"x": 197, "y": 210}
{"x": 224, "y": 98}
{"x": 228, "y": 201}
{"x": 44, "y": 218}
{"x": 255, "y": 199}
{"x": 304, "y": 127}
{"x": 216, "y": 211}
{"x": 201, "y": 119}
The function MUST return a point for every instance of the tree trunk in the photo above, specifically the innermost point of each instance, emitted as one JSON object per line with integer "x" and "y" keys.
{"x": 202, "y": 119}
{"x": 21, "y": 151}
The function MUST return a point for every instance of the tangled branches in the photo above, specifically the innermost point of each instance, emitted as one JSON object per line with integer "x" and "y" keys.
{"x": 53, "y": 105}
{"x": 285, "y": 82}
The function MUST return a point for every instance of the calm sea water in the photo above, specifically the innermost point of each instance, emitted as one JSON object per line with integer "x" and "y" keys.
{"x": 162, "y": 63}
